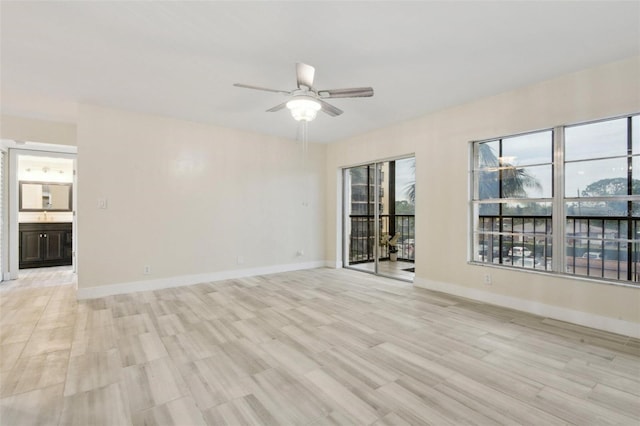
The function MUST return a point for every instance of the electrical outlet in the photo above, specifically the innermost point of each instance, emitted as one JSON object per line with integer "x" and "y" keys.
{"x": 102, "y": 203}
{"x": 240, "y": 260}
{"x": 147, "y": 270}
{"x": 300, "y": 253}
{"x": 487, "y": 279}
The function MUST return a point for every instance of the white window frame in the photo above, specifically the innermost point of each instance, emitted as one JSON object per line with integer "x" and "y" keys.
{"x": 558, "y": 202}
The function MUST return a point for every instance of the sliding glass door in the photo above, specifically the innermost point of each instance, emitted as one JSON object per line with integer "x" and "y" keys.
{"x": 379, "y": 218}
{"x": 2, "y": 214}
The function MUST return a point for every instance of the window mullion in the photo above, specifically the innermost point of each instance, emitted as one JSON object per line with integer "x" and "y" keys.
{"x": 629, "y": 203}
{"x": 474, "y": 189}
{"x": 558, "y": 240}
{"x": 500, "y": 218}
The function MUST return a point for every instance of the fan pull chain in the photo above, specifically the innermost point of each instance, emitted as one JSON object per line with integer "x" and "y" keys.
{"x": 305, "y": 139}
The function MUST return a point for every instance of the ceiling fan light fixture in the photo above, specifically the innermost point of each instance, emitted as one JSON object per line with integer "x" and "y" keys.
{"x": 304, "y": 108}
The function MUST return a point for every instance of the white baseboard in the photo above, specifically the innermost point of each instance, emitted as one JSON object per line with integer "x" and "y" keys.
{"x": 337, "y": 264}
{"x": 183, "y": 280}
{"x": 586, "y": 319}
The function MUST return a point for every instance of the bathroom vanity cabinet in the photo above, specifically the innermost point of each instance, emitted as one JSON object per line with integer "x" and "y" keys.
{"x": 45, "y": 244}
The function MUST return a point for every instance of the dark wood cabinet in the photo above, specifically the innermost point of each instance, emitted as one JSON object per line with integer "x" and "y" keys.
{"x": 45, "y": 244}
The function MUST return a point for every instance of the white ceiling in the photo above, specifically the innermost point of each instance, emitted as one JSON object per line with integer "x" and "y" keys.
{"x": 180, "y": 59}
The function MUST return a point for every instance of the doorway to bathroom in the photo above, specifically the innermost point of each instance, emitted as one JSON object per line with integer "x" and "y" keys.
{"x": 42, "y": 196}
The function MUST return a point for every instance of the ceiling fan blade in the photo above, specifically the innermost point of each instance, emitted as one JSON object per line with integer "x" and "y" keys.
{"x": 354, "y": 92}
{"x": 249, "y": 86}
{"x": 277, "y": 107}
{"x": 330, "y": 109}
{"x": 305, "y": 75}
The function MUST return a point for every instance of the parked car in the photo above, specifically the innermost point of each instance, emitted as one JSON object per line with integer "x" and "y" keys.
{"x": 519, "y": 251}
{"x": 527, "y": 262}
{"x": 592, "y": 255}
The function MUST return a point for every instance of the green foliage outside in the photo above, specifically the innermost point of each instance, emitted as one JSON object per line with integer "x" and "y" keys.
{"x": 605, "y": 188}
{"x": 405, "y": 207}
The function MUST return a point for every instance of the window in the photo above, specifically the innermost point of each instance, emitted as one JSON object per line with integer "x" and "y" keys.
{"x": 601, "y": 199}
{"x": 585, "y": 204}
{"x": 512, "y": 200}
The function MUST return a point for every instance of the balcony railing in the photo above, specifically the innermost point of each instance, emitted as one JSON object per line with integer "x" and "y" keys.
{"x": 601, "y": 247}
{"x": 362, "y": 238}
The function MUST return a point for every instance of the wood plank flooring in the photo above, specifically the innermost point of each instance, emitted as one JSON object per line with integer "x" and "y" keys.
{"x": 388, "y": 269}
{"x": 318, "y": 347}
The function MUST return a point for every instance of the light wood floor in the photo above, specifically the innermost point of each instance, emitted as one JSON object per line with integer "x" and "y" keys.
{"x": 388, "y": 269}
{"x": 303, "y": 348}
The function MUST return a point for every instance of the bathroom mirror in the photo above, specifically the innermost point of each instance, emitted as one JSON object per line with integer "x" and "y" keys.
{"x": 41, "y": 196}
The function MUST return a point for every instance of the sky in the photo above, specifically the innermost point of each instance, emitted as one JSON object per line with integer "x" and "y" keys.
{"x": 606, "y": 141}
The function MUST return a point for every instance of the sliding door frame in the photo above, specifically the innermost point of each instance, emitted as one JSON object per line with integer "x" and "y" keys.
{"x": 346, "y": 206}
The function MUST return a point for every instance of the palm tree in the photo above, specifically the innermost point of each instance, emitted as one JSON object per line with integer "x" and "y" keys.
{"x": 515, "y": 180}
{"x": 410, "y": 188}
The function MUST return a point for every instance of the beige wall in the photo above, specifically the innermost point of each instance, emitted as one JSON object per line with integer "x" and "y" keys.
{"x": 34, "y": 130}
{"x": 188, "y": 198}
{"x": 440, "y": 143}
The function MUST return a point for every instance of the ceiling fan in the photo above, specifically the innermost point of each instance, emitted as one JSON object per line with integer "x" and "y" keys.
{"x": 306, "y": 100}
